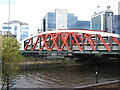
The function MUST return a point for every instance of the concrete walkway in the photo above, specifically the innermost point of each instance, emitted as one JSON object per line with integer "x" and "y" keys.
{"x": 110, "y": 84}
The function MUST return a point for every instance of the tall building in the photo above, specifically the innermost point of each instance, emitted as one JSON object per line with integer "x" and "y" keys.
{"x": 119, "y": 17}
{"x": 103, "y": 21}
{"x": 71, "y": 21}
{"x": 116, "y": 24}
{"x": 49, "y": 22}
{"x": 18, "y": 28}
{"x": 60, "y": 19}
{"x": 119, "y": 8}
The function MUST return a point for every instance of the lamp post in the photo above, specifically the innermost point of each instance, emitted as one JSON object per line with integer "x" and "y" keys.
{"x": 8, "y": 18}
{"x": 0, "y": 61}
{"x": 96, "y": 72}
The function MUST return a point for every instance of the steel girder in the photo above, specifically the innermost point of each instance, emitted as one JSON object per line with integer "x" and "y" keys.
{"x": 67, "y": 40}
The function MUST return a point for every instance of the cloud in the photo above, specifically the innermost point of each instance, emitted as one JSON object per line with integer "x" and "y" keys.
{"x": 5, "y": 2}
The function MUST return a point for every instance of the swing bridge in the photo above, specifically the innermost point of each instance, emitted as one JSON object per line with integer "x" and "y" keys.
{"x": 72, "y": 41}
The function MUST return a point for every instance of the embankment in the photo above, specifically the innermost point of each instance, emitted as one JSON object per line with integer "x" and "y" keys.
{"x": 34, "y": 63}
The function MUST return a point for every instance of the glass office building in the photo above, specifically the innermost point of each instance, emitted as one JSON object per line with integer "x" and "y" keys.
{"x": 65, "y": 21}
{"x": 96, "y": 23}
{"x": 116, "y": 24}
{"x": 51, "y": 21}
{"x": 71, "y": 21}
{"x": 83, "y": 25}
{"x": 103, "y": 21}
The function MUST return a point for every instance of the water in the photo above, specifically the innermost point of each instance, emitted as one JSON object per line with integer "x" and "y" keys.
{"x": 63, "y": 77}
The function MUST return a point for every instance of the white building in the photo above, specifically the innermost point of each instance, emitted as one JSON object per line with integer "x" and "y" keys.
{"x": 119, "y": 8}
{"x": 61, "y": 19}
{"x": 18, "y": 28}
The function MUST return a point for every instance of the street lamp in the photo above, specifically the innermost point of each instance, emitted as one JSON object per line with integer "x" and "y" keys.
{"x": 96, "y": 72}
{"x": 8, "y": 17}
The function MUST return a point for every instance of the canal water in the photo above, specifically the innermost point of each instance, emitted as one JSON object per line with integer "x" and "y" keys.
{"x": 64, "y": 77}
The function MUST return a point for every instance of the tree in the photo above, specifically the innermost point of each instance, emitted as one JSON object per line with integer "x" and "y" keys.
{"x": 11, "y": 57}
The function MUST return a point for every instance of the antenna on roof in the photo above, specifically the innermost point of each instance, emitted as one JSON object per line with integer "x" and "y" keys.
{"x": 108, "y": 8}
{"x": 98, "y": 8}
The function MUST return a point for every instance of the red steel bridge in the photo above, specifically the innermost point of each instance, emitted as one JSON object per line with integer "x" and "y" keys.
{"x": 72, "y": 41}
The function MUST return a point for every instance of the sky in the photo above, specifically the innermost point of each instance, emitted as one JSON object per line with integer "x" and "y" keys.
{"x": 32, "y": 11}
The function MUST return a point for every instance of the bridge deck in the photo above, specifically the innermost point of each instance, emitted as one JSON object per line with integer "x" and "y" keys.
{"x": 75, "y": 52}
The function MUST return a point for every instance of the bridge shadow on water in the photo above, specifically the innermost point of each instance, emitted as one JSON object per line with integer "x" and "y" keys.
{"x": 98, "y": 60}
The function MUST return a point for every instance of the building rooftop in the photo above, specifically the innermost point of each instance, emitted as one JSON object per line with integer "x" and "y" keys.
{"x": 16, "y": 22}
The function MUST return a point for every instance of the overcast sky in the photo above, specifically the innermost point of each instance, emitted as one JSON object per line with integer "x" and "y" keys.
{"x": 32, "y": 11}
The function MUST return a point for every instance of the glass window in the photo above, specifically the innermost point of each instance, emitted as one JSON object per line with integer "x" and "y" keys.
{"x": 51, "y": 21}
{"x": 71, "y": 21}
{"x": 15, "y": 29}
{"x": 6, "y": 27}
{"x": 83, "y": 25}
{"x": 96, "y": 23}
{"x": 24, "y": 28}
{"x": 115, "y": 24}
{"x": 23, "y": 35}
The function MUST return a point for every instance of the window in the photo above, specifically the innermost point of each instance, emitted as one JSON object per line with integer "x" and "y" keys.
{"x": 6, "y": 27}
{"x": 23, "y": 34}
{"x": 24, "y": 28}
{"x": 15, "y": 29}
{"x": 96, "y": 23}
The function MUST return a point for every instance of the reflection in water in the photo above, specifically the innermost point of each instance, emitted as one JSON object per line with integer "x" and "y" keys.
{"x": 63, "y": 77}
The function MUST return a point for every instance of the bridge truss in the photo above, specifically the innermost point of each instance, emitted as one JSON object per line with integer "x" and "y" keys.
{"x": 72, "y": 40}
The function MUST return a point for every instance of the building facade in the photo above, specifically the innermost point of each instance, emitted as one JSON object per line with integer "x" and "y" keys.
{"x": 71, "y": 21}
{"x": 60, "y": 19}
{"x": 119, "y": 17}
{"x": 103, "y": 21}
{"x": 83, "y": 25}
{"x": 116, "y": 24}
{"x": 17, "y": 28}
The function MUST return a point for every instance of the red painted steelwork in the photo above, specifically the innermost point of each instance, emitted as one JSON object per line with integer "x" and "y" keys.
{"x": 116, "y": 40}
{"x": 91, "y": 42}
{"x": 27, "y": 44}
{"x": 106, "y": 45}
{"x": 61, "y": 41}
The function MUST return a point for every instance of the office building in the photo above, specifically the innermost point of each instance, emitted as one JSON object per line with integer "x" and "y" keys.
{"x": 71, "y": 21}
{"x": 60, "y": 19}
{"x": 83, "y": 25}
{"x": 17, "y": 28}
{"x": 116, "y": 24}
{"x": 103, "y": 21}
{"x": 119, "y": 8}
{"x": 118, "y": 18}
